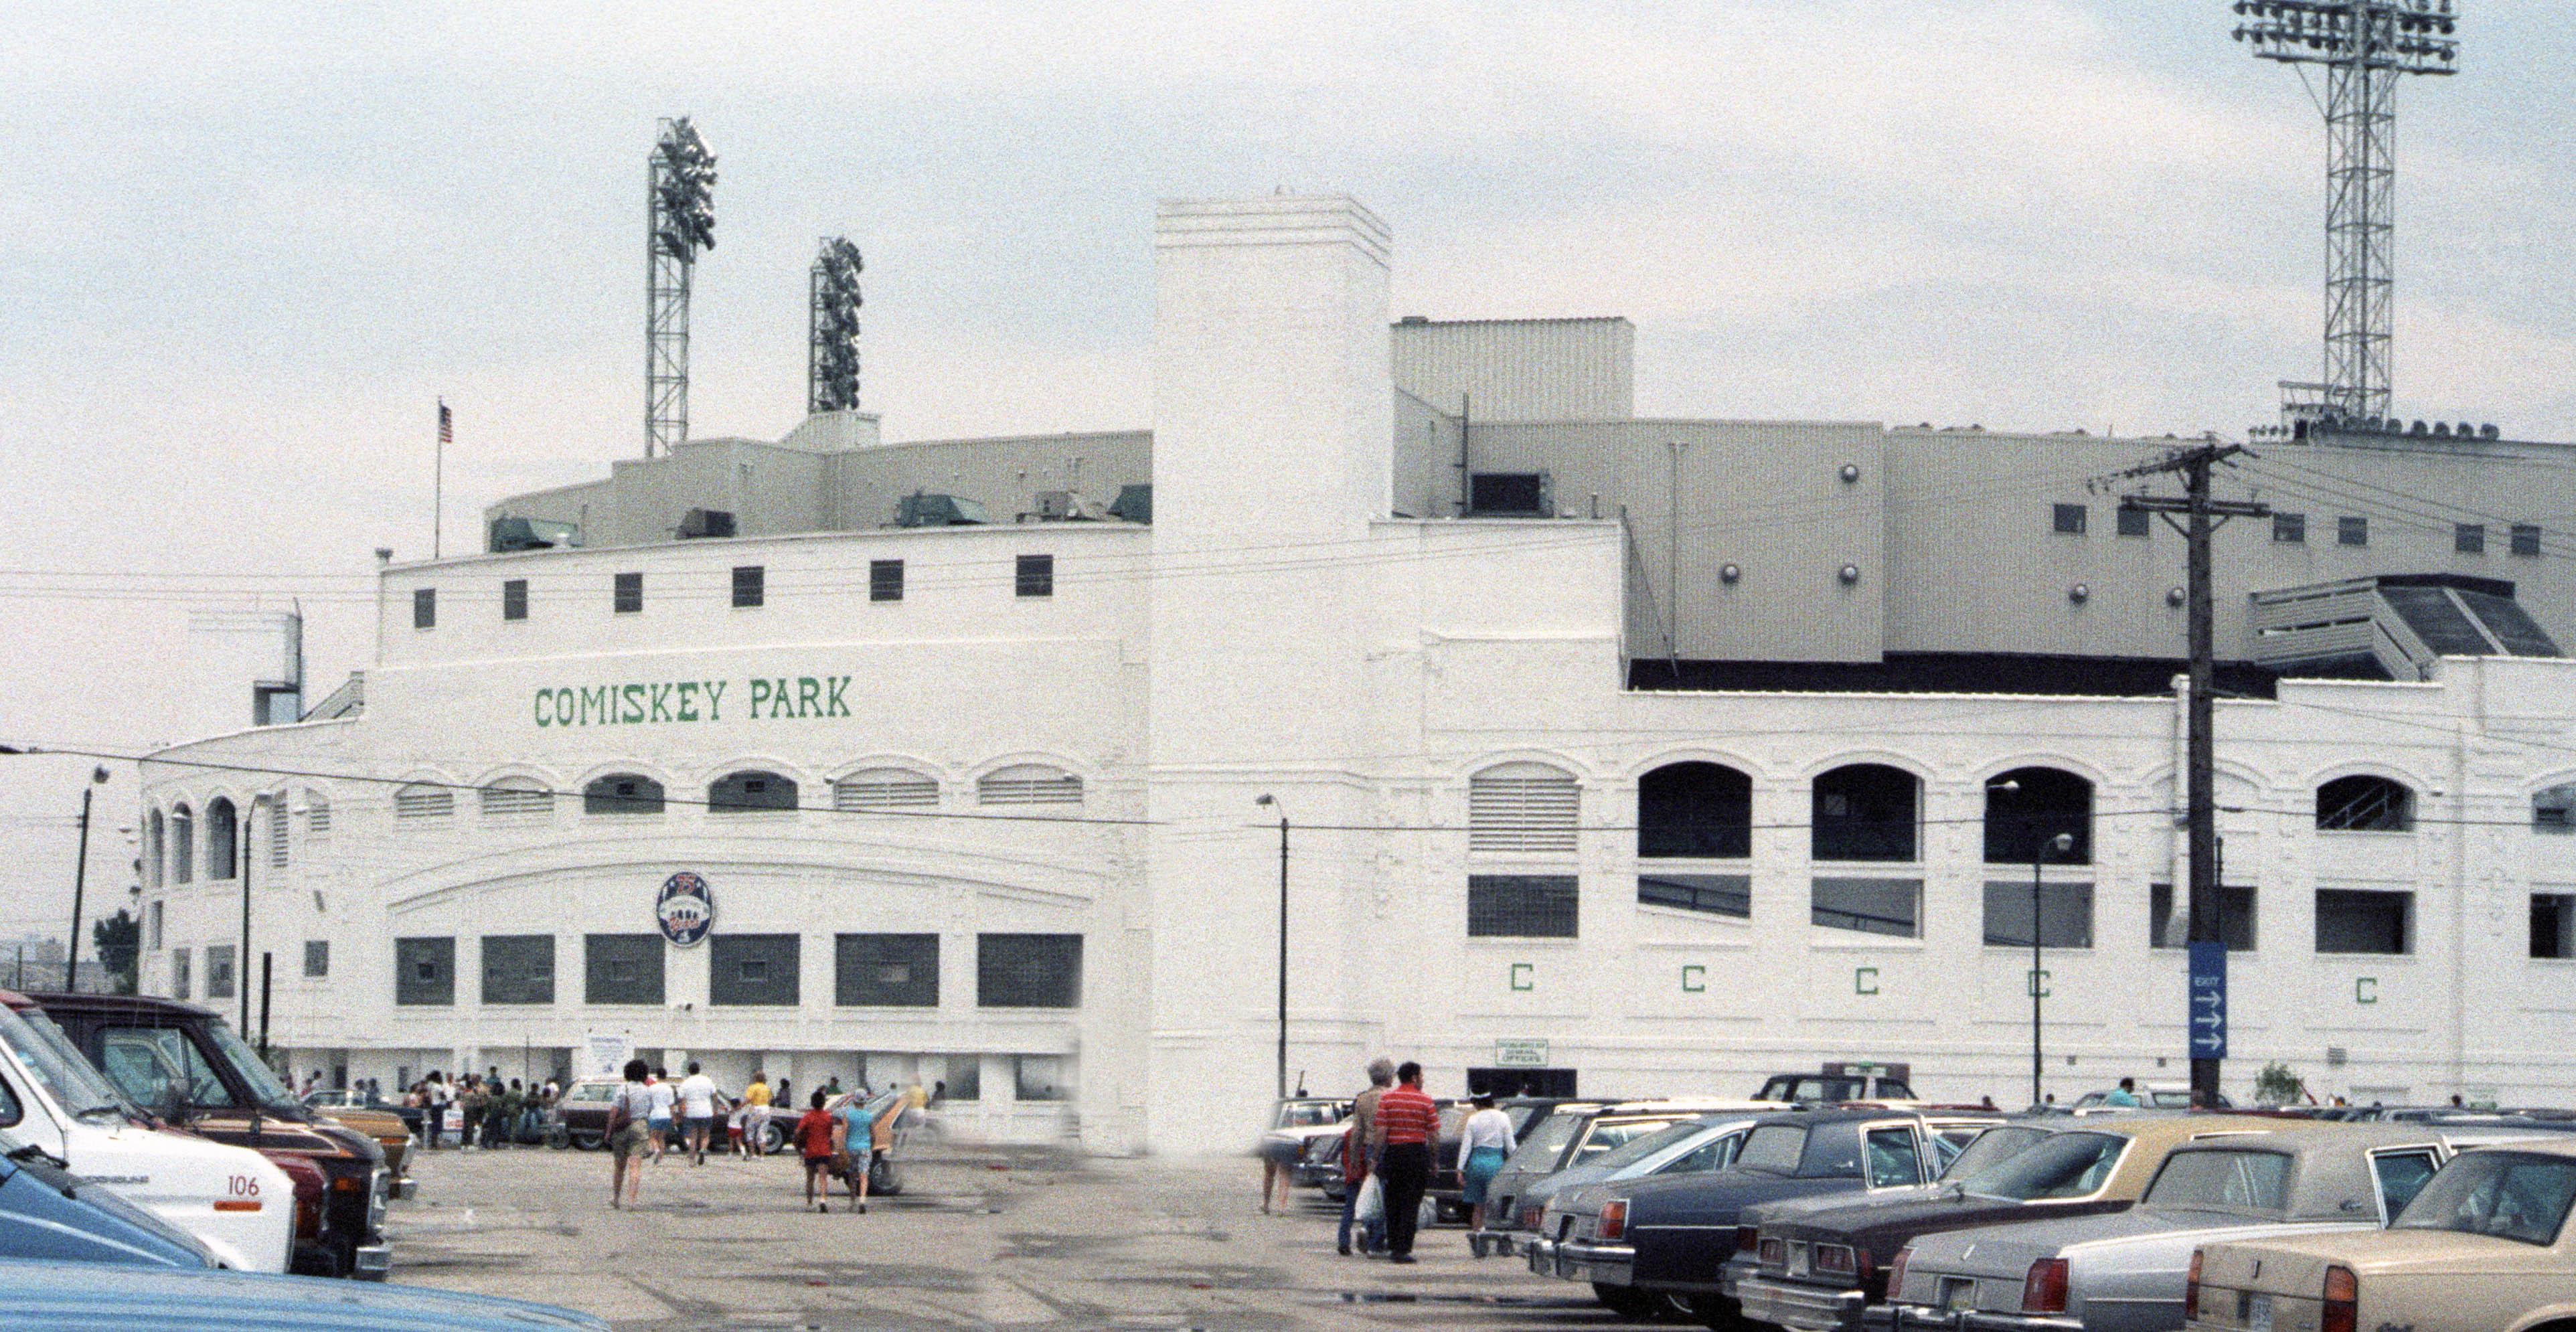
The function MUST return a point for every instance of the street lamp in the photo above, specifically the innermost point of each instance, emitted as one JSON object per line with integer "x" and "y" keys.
{"x": 80, "y": 881}
{"x": 2061, "y": 844}
{"x": 1272, "y": 802}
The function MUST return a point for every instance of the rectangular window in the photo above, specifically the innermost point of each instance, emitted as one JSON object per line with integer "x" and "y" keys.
{"x": 2352, "y": 920}
{"x": 179, "y": 973}
{"x": 1028, "y": 970}
{"x": 752, "y": 969}
{"x": 2135, "y": 522}
{"x": 885, "y": 580}
{"x": 157, "y": 921}
{"x": 1037, "y": 576}
{"x": 1715, "y": 894}
{"x": 2469, "y": 538}
{"x": 425, "y": 971}
{"x": 1869, "y": 906}
{"x": 219, "y": 971}
{"x": 2065, "y": 915}
{"x": 629, "y": 596}
{"x": 317, "y": 959}
{"x": 1039, "y": 1078}
{"x": 621, "y": 969}
{"x": 2553, "y": 925}
{"x": 2069, "y": 518}
{"x": 424, "y": 608}
{"x": 1522, "y": 906}
{"x": 514, "y": 599}
{"x": 2290, "y": 529}
{"x": 2169, "y": 925}
{"x": 887, "y": 970}
{"x": 750, "y": 584}
{"x": 2526, "y": 539}
{"x": 1508, "y": 493}
{"x": 2352, "y": 530}
{"x": 965, "y": 1078}
{"x": 518, "y": 968}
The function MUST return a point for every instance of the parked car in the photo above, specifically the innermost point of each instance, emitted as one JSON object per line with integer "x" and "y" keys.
{"x": 1820, "y": 1270}
{"x": 1298, "y": 1124}
{"x": 1690, "y": 1146}
{"x": 1644, "y": 1244}
{"x": 98, "y": 1297}
{"x": 1960, "y": 1151}
{"x": 48, "y": 1215}
{"x": 2149, "y": 1095}
{"x": 1833, "y": 1084}
{"x": 2485, "y": 1247}
{"x": 2125, "y": 1270}
{"x": 580, "y": 1116}
{"x": 1568, "y": 1139}
{"x": 392, "y": 1130}
{"x": 238, "y": 1203}
{"x": 186, "y": 1065}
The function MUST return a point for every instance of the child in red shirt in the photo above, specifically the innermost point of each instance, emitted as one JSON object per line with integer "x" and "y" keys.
{"x": 813, "y": 1136}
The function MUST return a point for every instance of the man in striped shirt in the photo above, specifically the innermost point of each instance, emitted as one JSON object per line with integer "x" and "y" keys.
{"x": 1404, "y": 1127}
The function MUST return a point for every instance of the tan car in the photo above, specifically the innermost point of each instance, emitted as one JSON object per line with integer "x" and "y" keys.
{"x": 2485, "y": 1247}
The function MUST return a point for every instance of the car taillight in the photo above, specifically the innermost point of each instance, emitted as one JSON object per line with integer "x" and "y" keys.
{"x": 2343, "y": 1301}
{"x": 2191, "y": 1289}
{"x": 1896, "y": 1271}
{"x": 1614, "y": 1219}
{"x": 1747, "y": 1238}
{"x": 1774, "y": 1253}
{"x": 2044, "y": 1290}
{"x": 1833, "y": 1260}
{"x": 1529, "y": 1216}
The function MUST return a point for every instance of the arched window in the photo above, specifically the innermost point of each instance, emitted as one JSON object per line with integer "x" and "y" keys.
{"x": 750, "y": 792}
{"x": 1523, "y": 809}
{"x": 221, "y": 828}
{"x": 886, "y": 788}
{"x": 154, "y": 867}
{"x": 1865, "y": 811}
{"x": 622, "y": 793}
{"x": 1028, "y": 784}
{"x": 522, "y": 799}
{"x": 2028, "y": 807}
{"x": 183, "y": 845}
{"x": 2365, "y": 803}
{"x": 423, "y": 800}
{"x": 1695, "y": 809}
{"x": 317, "y": 813}
{"x": 2554, "y": 810}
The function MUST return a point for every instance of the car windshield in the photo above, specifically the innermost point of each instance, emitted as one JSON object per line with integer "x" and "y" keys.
{"x": 1990, "y": 1149}
{"x": 2232, "y": 1181}
{"x": 591, "y": 1091}
{"x": 1774, "y": 1147}
{"x": 1538, "y": 1153}
{"x": 2068, "y": 1165}
{"x": 1306, "y": 1114}
{"x": 1644, "y": 1145}
{"x": 254, "y": 1071}
{"x": 1812, "y": 1088}
{"x": 69, "y": 1081}
{"x": 2510, "y": 1195}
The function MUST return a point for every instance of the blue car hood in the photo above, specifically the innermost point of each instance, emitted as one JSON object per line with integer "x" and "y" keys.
{"x": 97, "y": 1297}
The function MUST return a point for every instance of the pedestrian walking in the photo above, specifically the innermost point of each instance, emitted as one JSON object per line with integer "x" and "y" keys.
{"x": 1406, "y": 1124}
{"x": 856, "y": 1134}
{"x": 665, "y": 1097}
{"x": 1361, "y": 1161}
{"x": 628, "y": 1135}
{"x": 1483, "y": 1144}
{"x": 814, "y": 1134}
{"x": 1278, "y": 1153}
{"x": 470, "y": 1103}
{"x": 697, "y": 1102}
{"x": 755, "y": 1120}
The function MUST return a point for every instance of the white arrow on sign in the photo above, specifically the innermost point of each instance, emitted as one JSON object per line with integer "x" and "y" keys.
{"x": 2208, "y": 1042}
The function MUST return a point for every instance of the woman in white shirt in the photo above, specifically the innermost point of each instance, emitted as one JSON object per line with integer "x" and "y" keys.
{"x": 630, "y": 1134}
{"x": 1483, "y": 1144}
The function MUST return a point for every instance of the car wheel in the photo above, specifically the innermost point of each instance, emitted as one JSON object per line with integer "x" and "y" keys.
{"x": 1631, "y": 1304}
{"x": 1717, "y": 1312}
{"x": 590, "y": 1142}
{"x": 773, "y": 1138}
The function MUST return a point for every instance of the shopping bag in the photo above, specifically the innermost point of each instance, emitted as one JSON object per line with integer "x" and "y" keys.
{"x": 1371, "y": 1206}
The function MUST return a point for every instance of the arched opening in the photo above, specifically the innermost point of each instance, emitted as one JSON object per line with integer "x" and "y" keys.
{"x": 1523, "y": 809}
{"x": 1028, "y": 784}
{"x": 222, "y": 828}
{"x": 183, "y": 845}
{"x": 2365, "y": 803}
{"x": 1865, "y": 811}
{"x": 2554, "y": 810}
{"x": 622, "y": 793}
{"x": 1695, "y": 809}
{"x": 2027, "y": 807}
{"x": 154, "y": 866}
{"x": 750, "y": 792}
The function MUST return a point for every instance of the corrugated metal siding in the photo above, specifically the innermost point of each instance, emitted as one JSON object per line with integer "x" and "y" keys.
{"x": 1522, "y": 370}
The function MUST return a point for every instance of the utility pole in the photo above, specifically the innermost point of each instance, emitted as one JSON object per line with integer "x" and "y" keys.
{"x": 80, "y": 883}
{"x": 2201, "y": 516}
{"x": 241, "y": 960}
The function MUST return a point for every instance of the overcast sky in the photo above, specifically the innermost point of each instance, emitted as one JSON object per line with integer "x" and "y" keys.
{"x": 249, "y": 245}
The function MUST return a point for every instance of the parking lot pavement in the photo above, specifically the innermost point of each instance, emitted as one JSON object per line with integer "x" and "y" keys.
{"x": 1004, "y": 1237}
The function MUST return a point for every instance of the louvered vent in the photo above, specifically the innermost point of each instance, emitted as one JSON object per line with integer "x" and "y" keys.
{"x": 1029, "y": 784}
{"x": 1522, "y": 809}
{"x": 317, "y": 814}
{"x": 424, "y": 802}
{"x": 887, "y": 788}
{"x": 277, "y": 821}
{"x": 516, "y": 801}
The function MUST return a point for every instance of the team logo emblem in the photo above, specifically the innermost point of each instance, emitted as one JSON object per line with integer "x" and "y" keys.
{"x": 686, "y": 909}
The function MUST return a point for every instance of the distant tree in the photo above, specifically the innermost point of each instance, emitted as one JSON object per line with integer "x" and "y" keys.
{"x": 2277, "y": 1085}
{"x": 117, "y": 942}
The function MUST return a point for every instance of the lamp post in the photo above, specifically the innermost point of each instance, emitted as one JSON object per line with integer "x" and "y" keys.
{"x": 80, "y": 882}
{"x": 2061, "y": 844}
{"x": 1272, "y": 802}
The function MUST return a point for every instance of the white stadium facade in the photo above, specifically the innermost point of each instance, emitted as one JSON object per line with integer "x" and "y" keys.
{"x": 1641, "y": 756}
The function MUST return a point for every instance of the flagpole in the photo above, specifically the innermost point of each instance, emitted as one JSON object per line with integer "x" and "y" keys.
{"x": 438, "y": 482}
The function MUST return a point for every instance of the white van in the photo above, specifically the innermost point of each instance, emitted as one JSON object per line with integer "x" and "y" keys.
{"x": 236, "y": 1202}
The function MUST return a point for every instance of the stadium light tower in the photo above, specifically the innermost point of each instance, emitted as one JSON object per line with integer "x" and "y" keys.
{"x": 832, "y": 342}
{"x": 683, "y": 223}
{"x": 2361, "y": 47}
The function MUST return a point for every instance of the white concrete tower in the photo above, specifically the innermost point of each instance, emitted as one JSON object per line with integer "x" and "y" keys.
{"x": 1273, "y": 447}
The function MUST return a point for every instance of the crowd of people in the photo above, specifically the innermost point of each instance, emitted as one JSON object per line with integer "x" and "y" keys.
{"x": 485, "y": 1109}
{"x": 650, "y": 1113}
{"x": 1386, "y": 1157}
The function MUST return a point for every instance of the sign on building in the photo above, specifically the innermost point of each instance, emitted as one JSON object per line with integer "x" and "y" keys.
{"x": 1520, "y": 1054}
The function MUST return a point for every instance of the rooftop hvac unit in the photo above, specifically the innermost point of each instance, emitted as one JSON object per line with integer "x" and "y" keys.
{"x": 697, "y": 523}
{"x": 1055, "y": 506}
{"x": 1134, "y": 503}
{"x": 920, "y": 509}
{"x": 510, "y": 534}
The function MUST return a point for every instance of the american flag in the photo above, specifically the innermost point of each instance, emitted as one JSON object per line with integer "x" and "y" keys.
{"x": 446, "y": 423}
